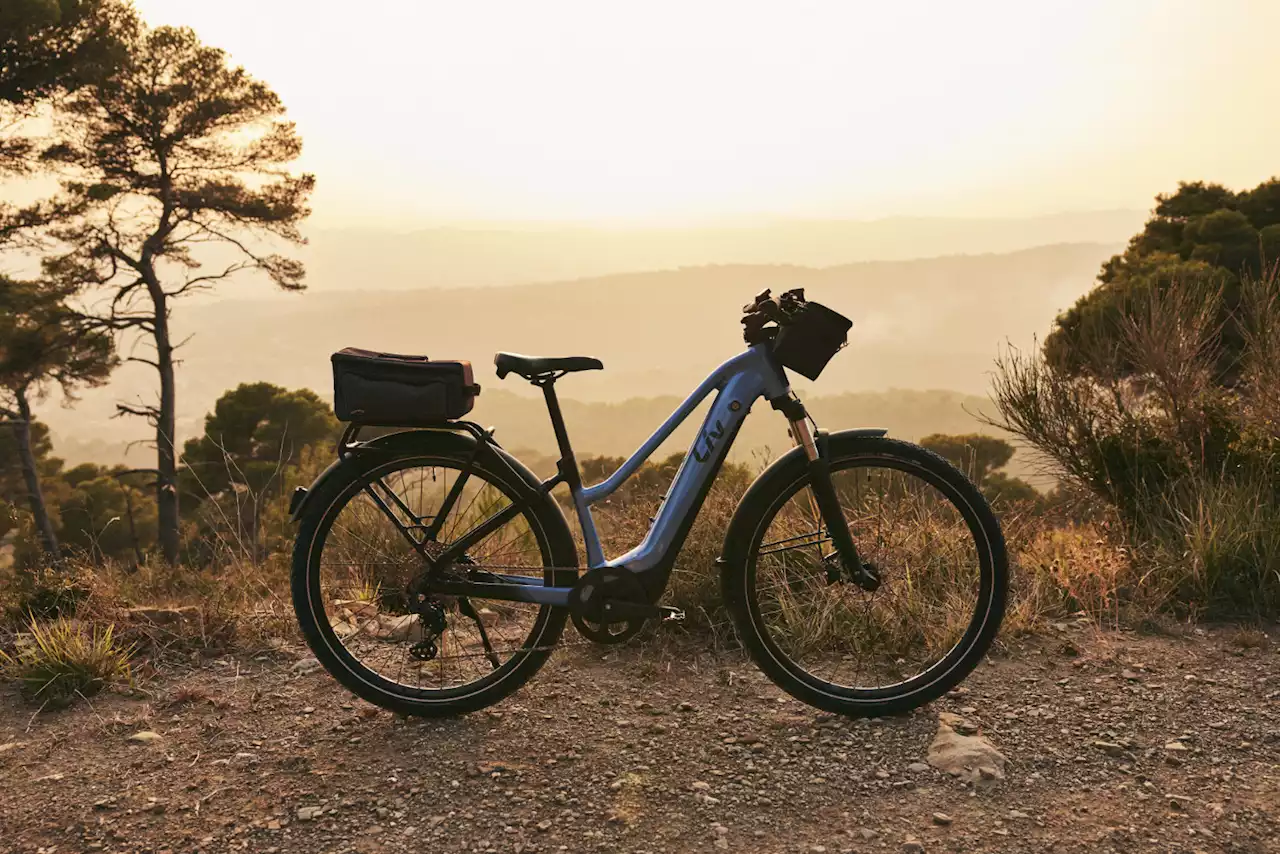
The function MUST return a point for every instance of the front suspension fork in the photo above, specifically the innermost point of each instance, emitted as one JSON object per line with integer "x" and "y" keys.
{"x": 827, "y": 510}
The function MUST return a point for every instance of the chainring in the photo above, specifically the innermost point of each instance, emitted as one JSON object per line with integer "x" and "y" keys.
{"x": 589, "y": 604}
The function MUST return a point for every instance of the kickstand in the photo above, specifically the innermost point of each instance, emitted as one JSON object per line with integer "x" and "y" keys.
{"x": 466, "y": 609}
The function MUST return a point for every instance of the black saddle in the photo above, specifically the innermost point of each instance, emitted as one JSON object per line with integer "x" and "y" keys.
{"x": 530, "y": 367}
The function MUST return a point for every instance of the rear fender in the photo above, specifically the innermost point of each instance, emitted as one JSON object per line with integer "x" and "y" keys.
{"x": 442, "y": 441}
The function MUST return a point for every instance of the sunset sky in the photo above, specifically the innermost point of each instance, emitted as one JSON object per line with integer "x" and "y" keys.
{"x": 672, "y": 112}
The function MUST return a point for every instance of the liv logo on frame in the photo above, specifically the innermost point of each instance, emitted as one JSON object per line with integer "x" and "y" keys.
{"x": 709, "y": 437}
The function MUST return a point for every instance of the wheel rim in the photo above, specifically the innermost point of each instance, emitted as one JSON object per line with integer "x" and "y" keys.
{"x": 935, "y": 563}
{"x": 362, "y": 566}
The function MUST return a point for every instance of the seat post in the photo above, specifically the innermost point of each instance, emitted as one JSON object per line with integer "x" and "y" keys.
{"x": 568, "y": 463}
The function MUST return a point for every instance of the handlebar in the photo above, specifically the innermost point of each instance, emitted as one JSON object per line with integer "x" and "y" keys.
{"x": 765, "y": 309}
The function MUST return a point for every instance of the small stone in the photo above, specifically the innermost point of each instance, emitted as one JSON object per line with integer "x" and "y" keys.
{"x": 700, "y": 786}
{"x": 146, "y": 736}
{"x": 867, "y": 833}
{"x": 917, "y": 767}
{"x": 544, "y": 825}
{"x": 172, "y": 619}
{"x": 912, "y": 846}
{"x": 309, "y": 813}
{"x": 1176, "y": 747}
{"x": 307, "y": 710}
{"x": 1109, "y": 747}
{"x": 941, "y": 818}
{"x": 1130, "y": 675}
{"x": 686, "y": 707}
{"x": 306, "y": 665}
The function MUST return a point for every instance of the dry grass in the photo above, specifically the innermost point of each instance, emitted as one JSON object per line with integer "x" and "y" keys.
{"x": 57, "y": 661}
{"x": 1189, "y": 461}
{"x": 1061, "y": 569}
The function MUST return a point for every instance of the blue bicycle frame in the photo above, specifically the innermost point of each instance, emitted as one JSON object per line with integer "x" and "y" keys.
{"x": 738, "y": 383}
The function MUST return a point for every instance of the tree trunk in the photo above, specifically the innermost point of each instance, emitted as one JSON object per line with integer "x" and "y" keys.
{"x": 166, "y": 440}
{"x": 133, "y": 529}
{"x": 35, "y": 498}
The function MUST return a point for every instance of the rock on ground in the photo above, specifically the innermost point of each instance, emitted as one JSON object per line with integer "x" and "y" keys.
{"x": 969, "y": 757}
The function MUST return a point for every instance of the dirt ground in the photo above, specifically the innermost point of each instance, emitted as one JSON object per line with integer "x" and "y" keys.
{"x": 1114, "y": 741}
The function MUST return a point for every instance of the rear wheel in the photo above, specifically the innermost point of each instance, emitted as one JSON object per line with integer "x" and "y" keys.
{"x": 935, "y": 545}
{"x": 356, "y": 581}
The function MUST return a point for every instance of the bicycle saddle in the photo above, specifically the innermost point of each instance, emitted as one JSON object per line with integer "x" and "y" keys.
{"x": 535, "y": 366}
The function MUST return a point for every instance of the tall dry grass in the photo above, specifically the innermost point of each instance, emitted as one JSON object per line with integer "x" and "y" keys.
{"x": 1065, "y": 564}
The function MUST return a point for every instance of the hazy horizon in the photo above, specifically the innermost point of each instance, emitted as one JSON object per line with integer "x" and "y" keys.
{"x": 981, "y": 161}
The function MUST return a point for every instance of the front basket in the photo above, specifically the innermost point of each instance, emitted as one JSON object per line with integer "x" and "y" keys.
{"x": 814, "y": 334}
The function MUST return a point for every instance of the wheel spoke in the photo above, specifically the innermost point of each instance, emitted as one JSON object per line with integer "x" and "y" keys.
{"x": 854, "y": 639}
{"x": 366, "y": 566}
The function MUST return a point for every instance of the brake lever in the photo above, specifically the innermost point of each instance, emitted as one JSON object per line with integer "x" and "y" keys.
{"x": 754, "y": 305}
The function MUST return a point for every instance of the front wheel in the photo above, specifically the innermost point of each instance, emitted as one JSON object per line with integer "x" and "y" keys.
{"x": 929, "y": 535}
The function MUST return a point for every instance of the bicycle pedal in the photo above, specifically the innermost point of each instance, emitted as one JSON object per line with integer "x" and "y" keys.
{"x": 671, "y": 615}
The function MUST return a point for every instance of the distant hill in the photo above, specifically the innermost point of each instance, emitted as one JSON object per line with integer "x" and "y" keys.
{"x": 924, "y": 324}
{"x": 618, "y": 428}
{"x": 358, "y": 259}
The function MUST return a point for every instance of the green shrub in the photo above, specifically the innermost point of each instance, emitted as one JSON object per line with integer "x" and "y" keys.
{"x": 1187, "y": 453}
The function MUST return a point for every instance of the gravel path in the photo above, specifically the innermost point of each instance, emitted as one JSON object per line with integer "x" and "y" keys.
{"x": 1114, "y": 742}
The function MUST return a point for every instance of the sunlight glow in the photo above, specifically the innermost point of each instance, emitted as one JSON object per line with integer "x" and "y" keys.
{"x": 678, "y": 111}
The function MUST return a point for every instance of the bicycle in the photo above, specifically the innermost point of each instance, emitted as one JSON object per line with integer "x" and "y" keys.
{"x": 433, "y": 573}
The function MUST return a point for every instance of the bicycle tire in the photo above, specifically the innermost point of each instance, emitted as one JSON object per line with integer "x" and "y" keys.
{"x": 784, "y": 480}
{"x": 346, "y": 479}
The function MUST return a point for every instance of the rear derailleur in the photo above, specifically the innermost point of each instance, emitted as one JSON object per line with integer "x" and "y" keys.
{"x": 431, "y": 609}
{"x": 431, "y": 616}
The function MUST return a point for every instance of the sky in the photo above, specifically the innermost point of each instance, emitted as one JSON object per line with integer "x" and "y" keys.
{"x": 425, "y": 113}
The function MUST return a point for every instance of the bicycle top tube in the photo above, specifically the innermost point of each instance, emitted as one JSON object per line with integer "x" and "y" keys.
{"x": 739, "y": 382}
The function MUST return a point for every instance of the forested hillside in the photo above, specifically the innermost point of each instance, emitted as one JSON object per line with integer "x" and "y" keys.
{"x": 926, "y": 324}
